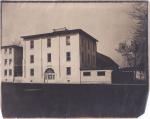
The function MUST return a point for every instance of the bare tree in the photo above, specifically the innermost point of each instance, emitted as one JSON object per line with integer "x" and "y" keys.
{"x": 125, "y": 50}
{"x": 140, "y": 34}
{"x": 135, "y": 53}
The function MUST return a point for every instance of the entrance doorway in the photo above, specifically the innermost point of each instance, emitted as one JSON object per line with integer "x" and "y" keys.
{"x": 49, "y": 74}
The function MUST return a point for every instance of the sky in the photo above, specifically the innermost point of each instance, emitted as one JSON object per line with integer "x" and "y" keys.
{"x": 109, "y": 23}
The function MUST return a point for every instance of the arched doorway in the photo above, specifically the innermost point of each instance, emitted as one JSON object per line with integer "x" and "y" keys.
{"x": 49, "y": 74}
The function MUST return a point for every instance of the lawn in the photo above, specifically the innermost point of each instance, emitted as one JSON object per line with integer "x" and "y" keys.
{"x": 82, "y": 100}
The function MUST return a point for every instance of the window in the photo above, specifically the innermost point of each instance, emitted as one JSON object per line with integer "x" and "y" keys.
{"x": 67, "y": 40}
{"x": 48, "y": 42}
{"x": 68, "y": 70}
{"x": 31, "y": 44}
{"x": 10, "y": 72}
{"x": 100, "y": 73}
{"x": 5, "y": 62}
{"x": 10, "y": 50}
{"x": 31, "y": 58}
{"x": 86, "y": 73}
{"x": 31, "y": 72}
{"x": 5, "y": 72}
{"x": 5, "y": 51}
{"x": 68, "y": 57}
{"x": 49, "y": 57}
{"x": 10, "y": 61}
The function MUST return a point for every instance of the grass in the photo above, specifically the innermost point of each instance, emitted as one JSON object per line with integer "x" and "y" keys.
{"x": 78, "y": 100}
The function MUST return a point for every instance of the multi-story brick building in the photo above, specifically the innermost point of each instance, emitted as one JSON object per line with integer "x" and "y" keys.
{"x": 58, "y": 56}
{"x": 62, "y": 56}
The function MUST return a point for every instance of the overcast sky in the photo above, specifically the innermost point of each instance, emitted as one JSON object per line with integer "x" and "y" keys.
{"x": 109, "y": 23}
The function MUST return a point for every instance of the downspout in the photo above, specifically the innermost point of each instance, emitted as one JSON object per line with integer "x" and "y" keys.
{"x": 14, "y": 59}
{"x": 1, "y": 25}
{"x": 42, "y": 63}
{"x": 80, "y": 57}
{"x": 25, "y": 61}
{"x": 59, "y": 58}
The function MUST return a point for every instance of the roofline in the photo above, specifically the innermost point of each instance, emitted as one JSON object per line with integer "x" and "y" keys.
{"x": 95, "y": 69}
{"x": 108, "y": 58}
{"x": 11, "y": 46}
{"x": 58, "y": 33}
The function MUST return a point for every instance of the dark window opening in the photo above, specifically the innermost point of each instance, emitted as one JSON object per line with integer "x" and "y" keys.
{"x": 68, "y": 56}
{"x": 5, "y": 72}
{"x": 5, "y": 61}
{"x": 49, "y": 57}
{"x": 5, "y": 51}
{"x": 31, "y": 58}
{"x": 68, "y": 70}
{"x": 101, "y": 73}
{"x": 31, "y": 72}
{"x": 31, "y": 44}
{"x": 10, "y": 72}
{"x": 48, "y": 42}
{"x": 67, "y": 40}
{"x": 10, "y": 61}
{"x": 86, "y": 73}
{"x": 10, "y": 50}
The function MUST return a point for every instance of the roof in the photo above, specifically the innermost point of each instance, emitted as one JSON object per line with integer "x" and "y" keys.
{"x": 104, "y": 62}
{"x": 137, "y": 68}
{"x": 56, "y": 33}
{"x": 11, "y": 46}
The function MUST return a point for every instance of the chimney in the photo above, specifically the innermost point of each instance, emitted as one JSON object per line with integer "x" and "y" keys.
{"x": 60, "y": 29}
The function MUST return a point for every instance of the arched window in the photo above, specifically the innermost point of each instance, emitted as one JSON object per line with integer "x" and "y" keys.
{"x": 49, "y": 74}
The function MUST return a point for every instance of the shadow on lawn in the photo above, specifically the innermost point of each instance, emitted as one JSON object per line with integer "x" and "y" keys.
{"x": 60, "y": 100}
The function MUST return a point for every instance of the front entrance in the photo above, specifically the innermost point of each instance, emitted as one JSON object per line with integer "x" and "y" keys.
{"x": 49, "y": 74}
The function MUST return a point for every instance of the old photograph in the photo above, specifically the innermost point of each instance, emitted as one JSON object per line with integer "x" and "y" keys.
{"x": 74, "y": 59}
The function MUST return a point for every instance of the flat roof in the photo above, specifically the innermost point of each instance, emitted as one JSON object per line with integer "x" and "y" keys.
{"x": 55, "y": 33}
{"x": 11, "y": 46}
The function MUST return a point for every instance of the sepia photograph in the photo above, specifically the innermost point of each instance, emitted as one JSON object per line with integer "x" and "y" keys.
{"x": 74, "y": 59}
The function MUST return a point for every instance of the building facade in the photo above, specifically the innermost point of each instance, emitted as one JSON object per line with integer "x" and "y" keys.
{"x": 12, "y": 57}
{"x": 57, "y": 57}
{"x": 62, "y": 56}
